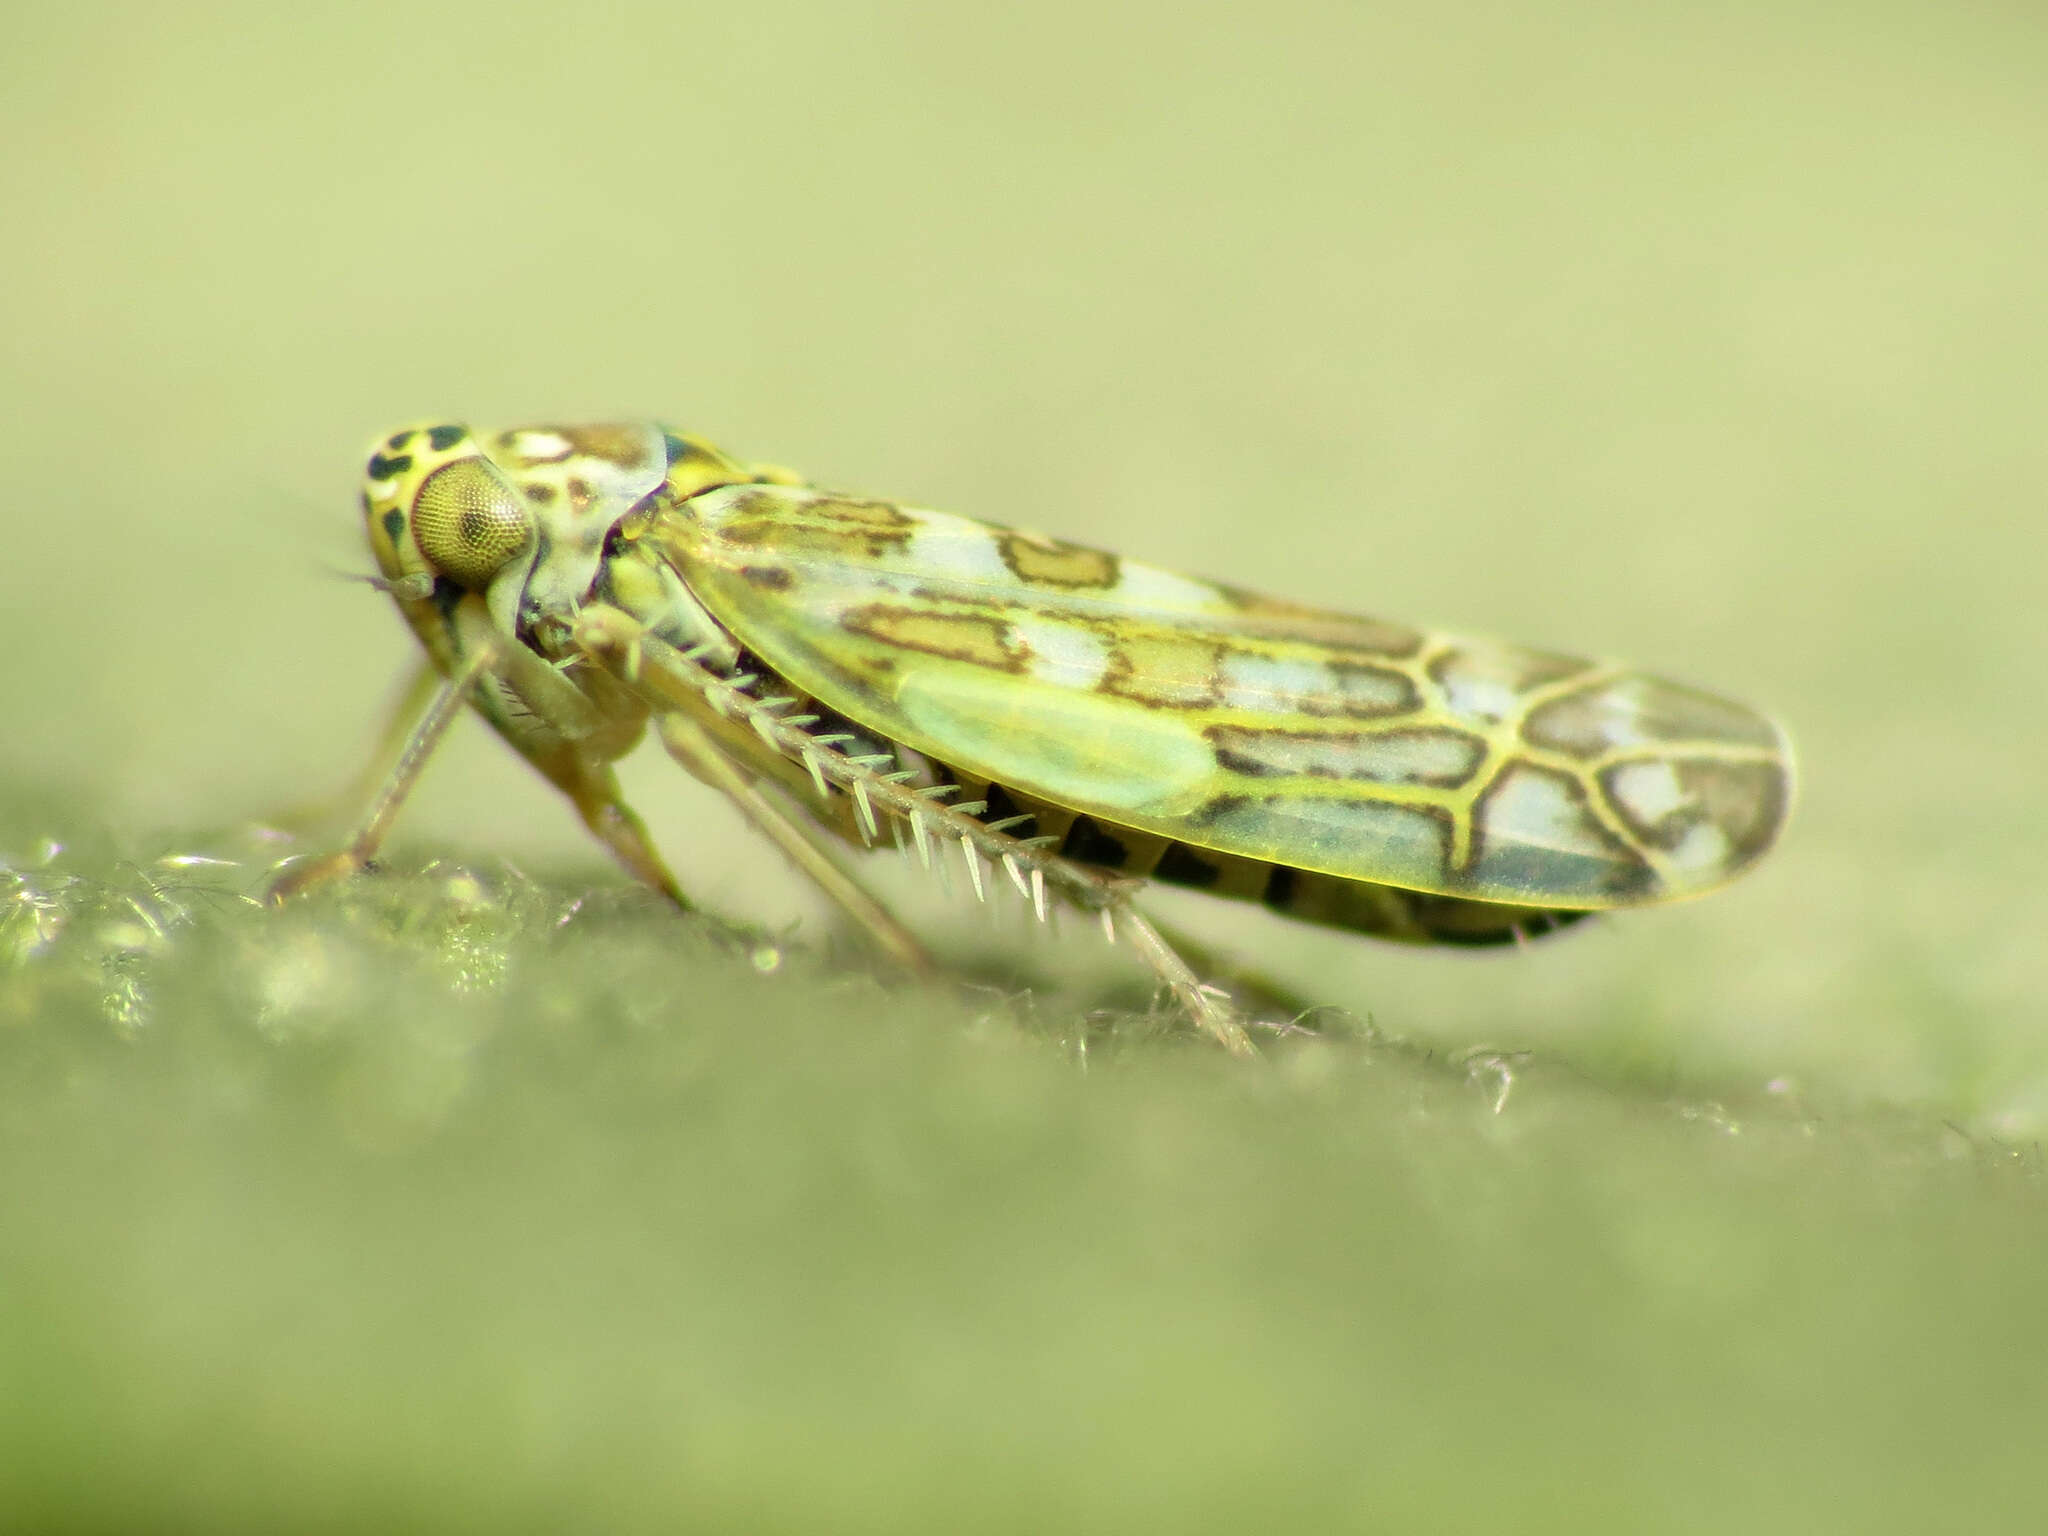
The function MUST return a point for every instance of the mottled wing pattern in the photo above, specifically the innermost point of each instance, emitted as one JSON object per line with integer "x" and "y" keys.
{"x": 1234, "y": 722}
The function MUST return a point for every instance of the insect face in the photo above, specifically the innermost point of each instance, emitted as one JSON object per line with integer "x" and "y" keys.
{"x": 519, "y": 516}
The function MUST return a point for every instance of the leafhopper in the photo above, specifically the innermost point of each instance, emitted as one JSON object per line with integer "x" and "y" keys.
{"x": 1046, "y": 714}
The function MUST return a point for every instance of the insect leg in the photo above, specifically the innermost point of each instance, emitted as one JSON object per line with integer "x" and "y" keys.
{"x": 376, "y": 823}
{"x": 559, "y": 726}
{"x": 1211, "y": 1011}
{"x": 672, "y": 682}
{"x": 422, "y": 683}
{"x": 593, "y": 789}
{"x": 691, "y": 746}
{"x": 1256, "y": 990}
{"x": 625, "y": 658}
{"x": 570, "y": 738}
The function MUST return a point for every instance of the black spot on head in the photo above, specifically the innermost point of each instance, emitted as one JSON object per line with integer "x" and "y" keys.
{"x": 447, "y": 596}
{"x": 398, "y": 440}
{"x": 770, "y": 578}
{"x": 381, "y": 468}
{"x": 1087, "y": 843}
{"x": 1183, "y": 866}
{"x": 444, "y": 438}
{"x": 394, "y": 526}
{"x": 539, "y": 492}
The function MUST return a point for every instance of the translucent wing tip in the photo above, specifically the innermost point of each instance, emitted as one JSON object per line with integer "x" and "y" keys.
{"x": 1699, "y": 820}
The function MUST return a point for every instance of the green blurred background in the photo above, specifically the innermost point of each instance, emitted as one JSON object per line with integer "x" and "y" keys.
{"x": 1706, "y": 336}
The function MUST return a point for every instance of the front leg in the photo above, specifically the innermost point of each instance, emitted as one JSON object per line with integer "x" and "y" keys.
{"x": 303, "y": 875}
{"x": 547, "y": 719}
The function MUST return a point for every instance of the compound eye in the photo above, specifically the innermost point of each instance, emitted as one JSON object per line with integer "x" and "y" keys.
{"x": 469, "y": 523}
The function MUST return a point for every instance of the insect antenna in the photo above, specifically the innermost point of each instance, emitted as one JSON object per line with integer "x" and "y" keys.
{"x": 417, "y": 587}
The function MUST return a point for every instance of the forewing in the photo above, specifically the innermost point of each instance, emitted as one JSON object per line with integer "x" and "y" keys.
{"x": 1234, "y": 722}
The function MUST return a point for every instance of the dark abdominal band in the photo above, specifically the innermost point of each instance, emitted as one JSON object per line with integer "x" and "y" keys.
{"x": 1359, "y": 906}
